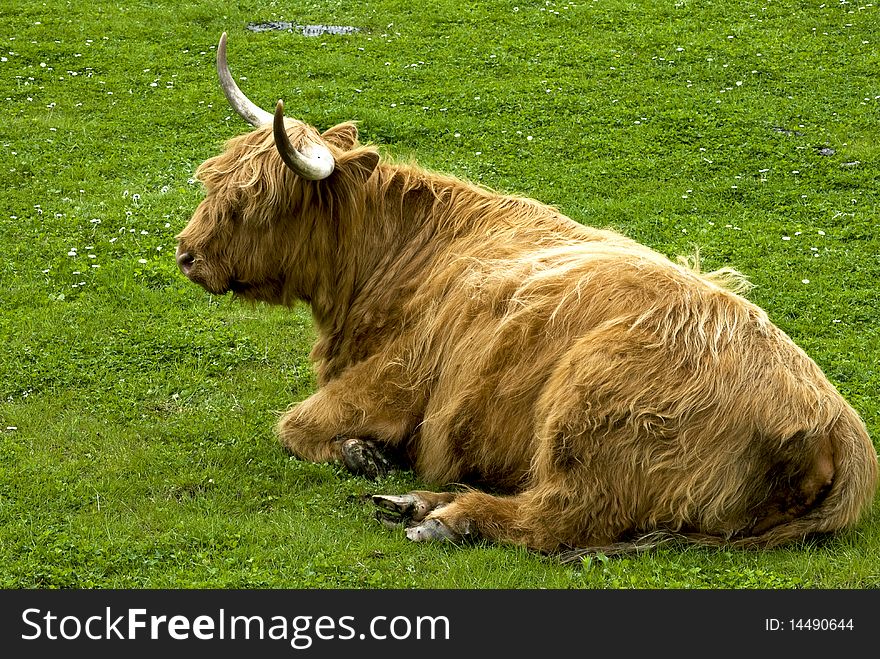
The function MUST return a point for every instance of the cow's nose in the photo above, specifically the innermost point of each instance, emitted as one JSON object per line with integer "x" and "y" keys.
{"x": 185, "y": 261}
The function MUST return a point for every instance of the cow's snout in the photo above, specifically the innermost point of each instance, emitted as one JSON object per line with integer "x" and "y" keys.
{"x": 184, "y": 261}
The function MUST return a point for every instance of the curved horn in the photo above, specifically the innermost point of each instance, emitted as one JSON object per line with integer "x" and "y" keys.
{"x": 246, "y": 109}
{"x": 313, "y": 162}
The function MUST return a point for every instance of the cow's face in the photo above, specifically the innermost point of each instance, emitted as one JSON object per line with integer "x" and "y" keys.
{"x": 215, "y": 248}
{"x": 240, "y": 233}
{"x": 204, "y": 245}
{"x": 255, "y": 233}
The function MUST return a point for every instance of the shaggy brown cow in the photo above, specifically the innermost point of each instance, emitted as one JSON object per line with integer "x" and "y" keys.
{"x": 599, "y": 391}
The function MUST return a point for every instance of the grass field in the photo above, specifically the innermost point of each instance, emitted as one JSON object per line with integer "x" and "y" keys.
{"x": 137, "y": 412}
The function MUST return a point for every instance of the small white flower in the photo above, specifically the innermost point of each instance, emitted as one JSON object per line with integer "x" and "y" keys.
{"x": 805, "y": 281}
{"x": 142, "y": 261}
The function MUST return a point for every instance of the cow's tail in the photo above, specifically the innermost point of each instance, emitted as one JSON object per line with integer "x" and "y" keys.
{"x": 852, "y": 490}
{"x": 851, "y": 493}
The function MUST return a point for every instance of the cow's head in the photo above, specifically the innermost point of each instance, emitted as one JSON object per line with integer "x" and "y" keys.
{"x": 270, "y": 196}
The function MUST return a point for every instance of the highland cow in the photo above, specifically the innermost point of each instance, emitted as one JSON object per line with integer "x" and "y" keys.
{"x": 589, "y": 391}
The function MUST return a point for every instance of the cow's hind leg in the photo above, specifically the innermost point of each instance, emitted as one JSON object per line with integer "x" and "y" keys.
{"x": 472, "y": 515}
{"x": 449, "y": 516}
{"x": 544, "y": 518}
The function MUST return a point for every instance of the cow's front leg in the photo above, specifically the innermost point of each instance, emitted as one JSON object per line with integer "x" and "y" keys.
{"x": 344, "y": 423}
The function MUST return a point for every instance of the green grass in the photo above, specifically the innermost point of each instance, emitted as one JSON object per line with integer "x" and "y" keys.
{"x": 137, "y": 412}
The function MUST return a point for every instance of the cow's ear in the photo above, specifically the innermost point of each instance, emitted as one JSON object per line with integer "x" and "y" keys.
{"x": 358, "y": 163}
{"x": 344, "y": 136}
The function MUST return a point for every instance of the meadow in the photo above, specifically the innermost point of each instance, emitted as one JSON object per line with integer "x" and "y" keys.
{"x": 137, "y": 411}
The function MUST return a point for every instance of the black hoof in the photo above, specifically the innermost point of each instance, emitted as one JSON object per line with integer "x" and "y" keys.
{"x": 364, "y": 458}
